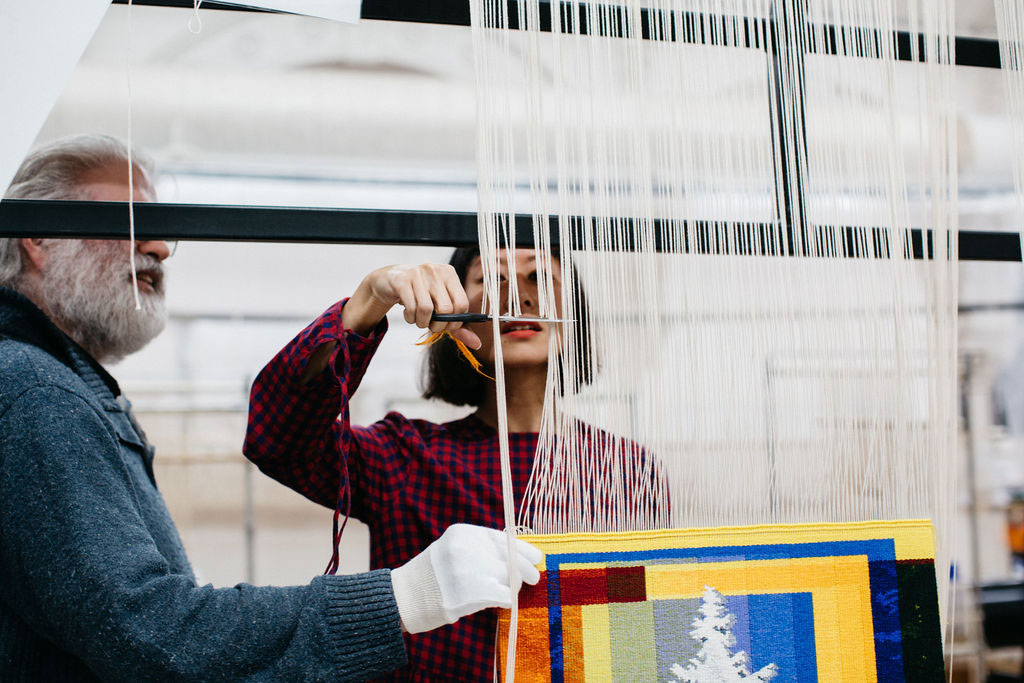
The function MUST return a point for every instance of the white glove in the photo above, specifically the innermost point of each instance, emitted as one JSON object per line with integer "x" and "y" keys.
{"x": 464, "y": 571}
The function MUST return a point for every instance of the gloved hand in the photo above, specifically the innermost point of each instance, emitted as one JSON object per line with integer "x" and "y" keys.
{"x": 464, "y": 571}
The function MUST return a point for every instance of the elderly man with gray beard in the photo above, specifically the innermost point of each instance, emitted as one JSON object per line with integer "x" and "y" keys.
{"x": 94, "y": 581}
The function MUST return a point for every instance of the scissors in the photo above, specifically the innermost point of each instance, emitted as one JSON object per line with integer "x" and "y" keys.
{"x": 483, "y": 317}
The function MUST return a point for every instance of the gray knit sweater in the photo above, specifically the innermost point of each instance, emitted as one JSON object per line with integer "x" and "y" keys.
{"x": 94, "y": 582}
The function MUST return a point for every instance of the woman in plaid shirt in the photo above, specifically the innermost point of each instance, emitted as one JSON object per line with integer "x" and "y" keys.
{"x": 410, "y": 479}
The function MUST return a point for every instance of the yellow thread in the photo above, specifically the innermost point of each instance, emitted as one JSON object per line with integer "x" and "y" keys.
{"x": 433, "y": 337}
{"x": 429, "y": 338}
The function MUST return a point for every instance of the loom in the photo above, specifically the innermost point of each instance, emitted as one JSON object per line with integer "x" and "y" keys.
{"x": 788, "y": 232}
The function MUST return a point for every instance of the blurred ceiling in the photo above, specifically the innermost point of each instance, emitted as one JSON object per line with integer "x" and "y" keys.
{"x": 276, "y": 93}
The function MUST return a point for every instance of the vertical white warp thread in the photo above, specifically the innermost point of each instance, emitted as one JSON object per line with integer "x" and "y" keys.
{"x": 1010, "y": 28}
{"x": 131, "y": 163}
{"x": 494, "y": 147}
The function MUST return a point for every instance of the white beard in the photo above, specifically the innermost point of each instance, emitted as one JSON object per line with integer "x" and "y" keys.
{"x": 87, "y": 290}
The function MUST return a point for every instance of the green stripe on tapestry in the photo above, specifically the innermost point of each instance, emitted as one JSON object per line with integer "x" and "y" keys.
{"x": 634, "y": 654}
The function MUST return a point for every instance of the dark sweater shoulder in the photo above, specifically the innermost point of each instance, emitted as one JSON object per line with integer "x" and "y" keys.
{"x": 24, "y": 367}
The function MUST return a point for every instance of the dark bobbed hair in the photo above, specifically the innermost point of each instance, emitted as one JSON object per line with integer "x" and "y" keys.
{"x": 449, "y": 377}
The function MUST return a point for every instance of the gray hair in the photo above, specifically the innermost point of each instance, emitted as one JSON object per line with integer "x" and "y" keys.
{"x": 57, "y": 170}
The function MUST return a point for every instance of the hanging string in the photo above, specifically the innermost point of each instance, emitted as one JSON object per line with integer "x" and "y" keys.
{"x": 496, "y": 225}
{"x": 195, "y": 22}
{"x": 131, "y": 162}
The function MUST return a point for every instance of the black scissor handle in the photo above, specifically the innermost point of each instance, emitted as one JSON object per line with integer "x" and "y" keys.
{"x": 460, "y": 317}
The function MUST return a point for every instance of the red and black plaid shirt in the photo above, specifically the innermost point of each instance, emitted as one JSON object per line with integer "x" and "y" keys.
{"x": 409, "y": 479}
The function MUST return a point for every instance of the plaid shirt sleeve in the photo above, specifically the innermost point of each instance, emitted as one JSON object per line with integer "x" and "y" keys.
{"x": 300, "y": 434}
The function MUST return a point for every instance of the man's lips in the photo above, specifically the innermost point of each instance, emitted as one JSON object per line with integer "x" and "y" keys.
{"x": 149, "y": 280}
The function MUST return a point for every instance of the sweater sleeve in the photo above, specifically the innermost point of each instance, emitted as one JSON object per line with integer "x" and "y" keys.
{"x": 301, "y": 434}
{"x": 81, "y": 568}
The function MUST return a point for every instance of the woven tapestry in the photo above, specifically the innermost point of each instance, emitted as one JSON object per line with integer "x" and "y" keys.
{"x": 798, "y": 602}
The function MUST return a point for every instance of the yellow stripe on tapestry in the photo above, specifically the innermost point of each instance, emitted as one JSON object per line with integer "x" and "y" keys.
{"x": 915, "y": 539}
{"x": 596, "y": 627}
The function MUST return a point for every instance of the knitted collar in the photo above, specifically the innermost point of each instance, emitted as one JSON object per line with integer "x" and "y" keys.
{"x": 22, "y": 320}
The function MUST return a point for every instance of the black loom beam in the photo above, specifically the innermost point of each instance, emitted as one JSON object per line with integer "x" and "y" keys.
{"x": 980, "y": 52}
{"x": 109, "y": 220}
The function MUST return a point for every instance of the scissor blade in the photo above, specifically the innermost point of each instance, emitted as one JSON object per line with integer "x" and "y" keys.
{"x": 527, "y": 319}
{"x": 482, "y": 317}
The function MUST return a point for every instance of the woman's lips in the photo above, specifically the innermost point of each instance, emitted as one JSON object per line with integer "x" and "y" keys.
{"x": 520, "y": 330}
{"x": 520, "y": 334}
